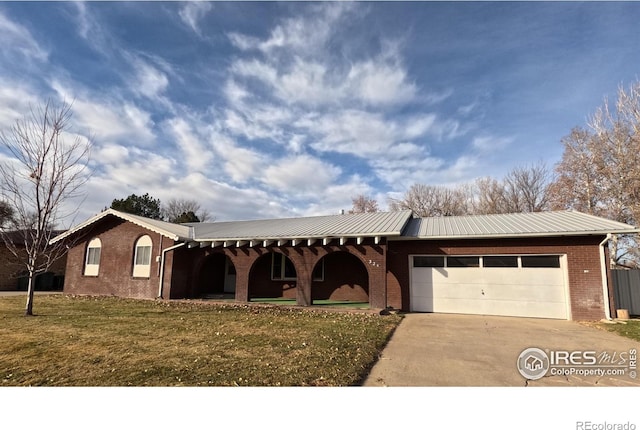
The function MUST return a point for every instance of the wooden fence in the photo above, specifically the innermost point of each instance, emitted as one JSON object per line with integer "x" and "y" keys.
{"x": 626, "y": 290}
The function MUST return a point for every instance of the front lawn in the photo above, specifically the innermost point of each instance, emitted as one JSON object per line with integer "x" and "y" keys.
{"x": 89, "y": 341}
{"x": 631, "y": 329}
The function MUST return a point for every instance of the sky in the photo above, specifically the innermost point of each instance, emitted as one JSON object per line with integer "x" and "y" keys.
{"x": 265, "y": 109}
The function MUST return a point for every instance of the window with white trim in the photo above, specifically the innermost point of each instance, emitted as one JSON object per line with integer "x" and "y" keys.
{"x": 282, "y": 268}
{"x": 92, "y": 261}
{"x": 142, "y": 258}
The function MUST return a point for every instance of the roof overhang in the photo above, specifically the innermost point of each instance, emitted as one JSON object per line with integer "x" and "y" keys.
{"x": 252, "y": 242}
{"x": 137, "y": 220}
{"x": 515, "y": 236}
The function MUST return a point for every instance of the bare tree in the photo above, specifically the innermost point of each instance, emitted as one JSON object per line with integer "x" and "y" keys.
{"x": 599, "y": 171}
{"x": 43, "y": 173}
{"x": 176, "y": 209}
{"x": 489, "y": 197}
{"x": 526, "y": 188}
{"x": 363, "y": 204}
{"x": 618, "y": 141}
{"x": 429, "y": 200}
{"x": 577, "y": 184}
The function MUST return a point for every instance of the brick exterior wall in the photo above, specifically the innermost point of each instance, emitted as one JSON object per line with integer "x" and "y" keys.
{"x": 583, "y": 260}
{"x": 115, "y": 276}
{"x": 378, "y": 273}
{"x": 11, "y": 268}
{"x": 352, "y": 272}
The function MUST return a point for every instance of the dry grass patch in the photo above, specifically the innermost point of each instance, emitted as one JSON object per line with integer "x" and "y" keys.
{"x": 89, "y": 341}
{"x": 629, "y": 328}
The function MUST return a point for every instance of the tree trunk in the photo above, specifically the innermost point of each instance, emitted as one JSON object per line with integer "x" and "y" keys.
{"x": 31, "y": 286}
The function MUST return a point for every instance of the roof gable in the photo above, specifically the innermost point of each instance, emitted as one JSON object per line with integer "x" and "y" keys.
{"x": 176, "y": 232}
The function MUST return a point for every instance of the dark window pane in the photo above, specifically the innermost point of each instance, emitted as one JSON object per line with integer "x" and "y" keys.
{"x": 541, "y": 261}
{"x": 463, "y": 261}
{"x": 231, "y": 269}
{"x": 428, "y": 261}
{"x": 500, "y": 261}
{"x": 276, "y": 266}
{"x": 318, "y": 272}
{"x": 289, "y": 269}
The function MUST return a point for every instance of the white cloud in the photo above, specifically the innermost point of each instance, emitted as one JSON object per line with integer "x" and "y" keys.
{"x": 196, "y": 156}
{"x": 193, "y": 12}
{"x": 241, "y": 164}
{"x": 255, "y": 69}
{"x": 235, "y": 92}
{"x": 238, "y": 124}
{"x": 381, "y": 83}
{"x": 419, "y": 125}
{"x": 306, "y": 34}
{"x": 15, "y": 101}
{"x": 306, "y": 83}
{"x": 226, "y": 202}
{"x": 124, "y": 123}
{"x": 85, "y": 22}
{"x": 300, "y": 174}
{"x": 143, "y": 169}
{"x": 488, "y": 144}
{"x": 108, "y": 119}
{"x": 150, "y": 81}
{"x": 337, "y": 197}
{"x": 17, "y": 39}
{"x": 112, "y": 153}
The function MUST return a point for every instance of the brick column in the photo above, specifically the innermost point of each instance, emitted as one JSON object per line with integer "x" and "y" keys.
{"x": 242, "y": 263}
{"x": 377, "y": 277}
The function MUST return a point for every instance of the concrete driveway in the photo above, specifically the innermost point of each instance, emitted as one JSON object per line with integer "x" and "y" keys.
{"x": 470, "y": 350}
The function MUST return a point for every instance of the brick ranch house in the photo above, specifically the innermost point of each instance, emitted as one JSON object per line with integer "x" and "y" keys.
{"x": 547, "y": 265}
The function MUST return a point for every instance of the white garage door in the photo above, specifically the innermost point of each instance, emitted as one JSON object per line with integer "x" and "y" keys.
{"x": 527, "y": 286}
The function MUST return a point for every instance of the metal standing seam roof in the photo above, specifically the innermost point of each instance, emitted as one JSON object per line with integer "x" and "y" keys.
{"x": 348, "y": 225}
{"x": 559, "y": 223}
{"x": 393, "y": 225}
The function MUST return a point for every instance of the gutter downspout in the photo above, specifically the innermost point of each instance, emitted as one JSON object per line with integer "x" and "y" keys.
{"x": 162, "y": 259}
{"x": 605, "y": 282}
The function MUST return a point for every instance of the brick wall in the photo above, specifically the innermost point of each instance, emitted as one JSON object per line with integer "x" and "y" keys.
{"x": 583, "y": 260}
{"x": 11, "y": 268}
{"x": 115, "y": 276}
{"x": 353, "y": 272}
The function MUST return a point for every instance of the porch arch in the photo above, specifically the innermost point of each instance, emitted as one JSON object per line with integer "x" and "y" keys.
{"x": 344, "y": 277}
{"x": 216, "y": 276}
{"x": 273, "y": 275}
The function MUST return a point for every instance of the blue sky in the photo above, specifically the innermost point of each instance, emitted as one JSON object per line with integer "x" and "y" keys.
{"x": 290, "y": 109}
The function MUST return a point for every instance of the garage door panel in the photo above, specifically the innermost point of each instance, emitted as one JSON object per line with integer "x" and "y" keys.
{"x": 531, "y": 292}
{"x": 542, "y": 276}
{"x": 480, "y": 291}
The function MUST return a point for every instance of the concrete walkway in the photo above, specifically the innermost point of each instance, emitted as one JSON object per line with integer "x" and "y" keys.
{"x": 429, "y": 350}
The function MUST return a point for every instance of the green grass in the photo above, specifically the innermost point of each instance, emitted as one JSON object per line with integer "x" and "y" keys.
{"x": 89, "y": 341}
{"x": 631, "y": 329}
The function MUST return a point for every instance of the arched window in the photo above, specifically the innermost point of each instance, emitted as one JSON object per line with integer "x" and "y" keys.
{"x": 142, "y": 258}
{"x": 92, "y": 261}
